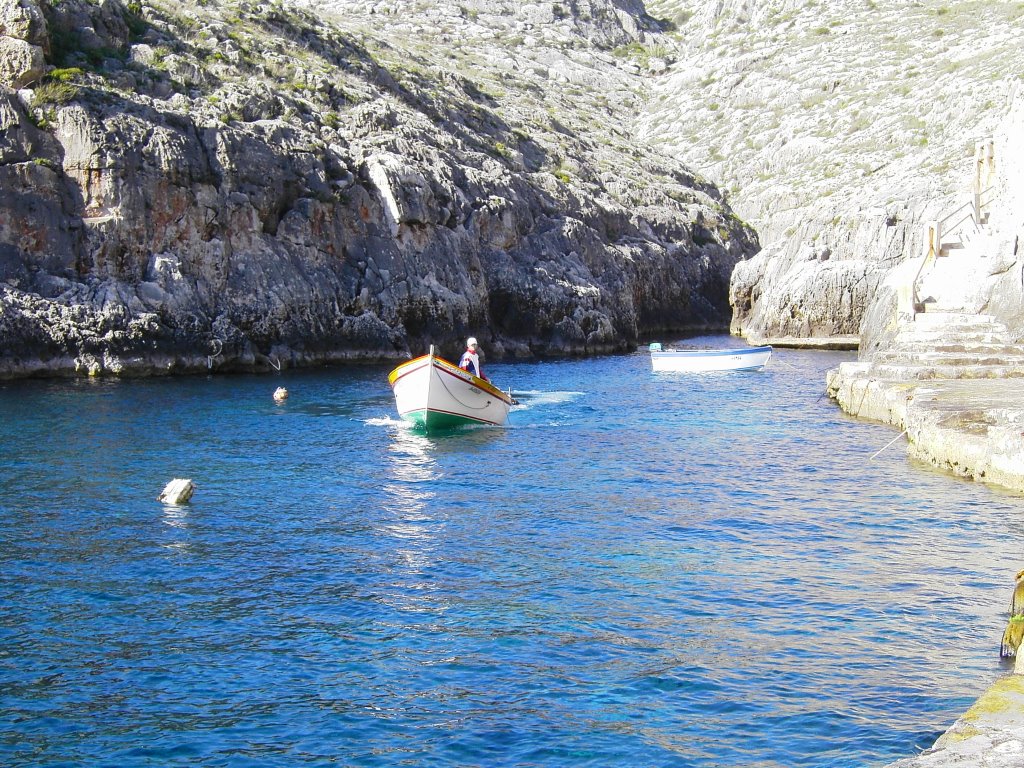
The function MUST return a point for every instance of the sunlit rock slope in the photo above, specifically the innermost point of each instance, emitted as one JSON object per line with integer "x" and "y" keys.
{"x": 836, "y": 129}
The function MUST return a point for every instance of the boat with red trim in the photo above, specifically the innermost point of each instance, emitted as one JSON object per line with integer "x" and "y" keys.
{"x": 434, "y": 394}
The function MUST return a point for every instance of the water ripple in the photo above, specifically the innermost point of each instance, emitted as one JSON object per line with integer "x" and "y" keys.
{"x": 639, "y": 570}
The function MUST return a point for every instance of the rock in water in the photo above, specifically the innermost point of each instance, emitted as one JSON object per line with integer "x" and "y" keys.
{"x": 178, "y": 491}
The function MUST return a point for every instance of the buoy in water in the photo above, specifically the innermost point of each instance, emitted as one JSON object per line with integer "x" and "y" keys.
{"x": 178, "y": 491}
{"x": 280, "y": 394}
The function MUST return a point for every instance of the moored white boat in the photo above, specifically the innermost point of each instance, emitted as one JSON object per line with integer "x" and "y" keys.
{"x": 703, "y": 360}
{"x": 434, "y": 394}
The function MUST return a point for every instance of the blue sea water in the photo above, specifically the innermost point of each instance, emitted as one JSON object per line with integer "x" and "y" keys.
{"x": 640, "y": 570}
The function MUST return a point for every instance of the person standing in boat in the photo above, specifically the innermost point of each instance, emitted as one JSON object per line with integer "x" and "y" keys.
{"x": 471, "y": 359}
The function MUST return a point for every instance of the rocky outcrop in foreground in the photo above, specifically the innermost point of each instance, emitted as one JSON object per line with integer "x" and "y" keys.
{"x": 279, "y": 186}
{"x": 989, "y": 735}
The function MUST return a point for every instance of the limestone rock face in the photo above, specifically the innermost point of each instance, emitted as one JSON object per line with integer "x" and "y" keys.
{"x": 24, "y": 20}
{"x": 403, "y": 193}
{"x": 21, "y": 62}
{"x": 287, "y": 187}
{"x": 87, "y": 28}
{"x": 830, "y": 136}
{"x": 38, "y": 210}
{"x": 794, "y": 289}
{"x": 1004, "y": 268}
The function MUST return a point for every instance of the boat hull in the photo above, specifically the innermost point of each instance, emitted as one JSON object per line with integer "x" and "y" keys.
{"x": 704, "y": 360}
{"x": 433, "y": 394}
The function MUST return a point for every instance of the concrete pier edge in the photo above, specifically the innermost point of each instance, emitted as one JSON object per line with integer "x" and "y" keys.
{"x": 988, "y": 735}
{"x": 973, "y": 428}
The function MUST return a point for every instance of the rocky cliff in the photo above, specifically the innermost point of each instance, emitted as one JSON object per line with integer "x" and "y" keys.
{"x": 837, "y": 128}
{"x": 231, "y": 185}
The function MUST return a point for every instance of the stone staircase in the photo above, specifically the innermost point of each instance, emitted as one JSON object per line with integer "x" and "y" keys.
{"x": 944, "y": 333}
{"x": 943, "y": 369}
{"x": 954, "y": 282}
{"x": 950, "y": 345}
{"x": 956, "y": 247}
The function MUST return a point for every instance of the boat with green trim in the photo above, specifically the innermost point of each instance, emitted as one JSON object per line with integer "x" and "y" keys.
{"x": 434, "y": 394}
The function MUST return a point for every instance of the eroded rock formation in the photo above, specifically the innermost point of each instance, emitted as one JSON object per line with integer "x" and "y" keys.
{"x": 277, "y": 187}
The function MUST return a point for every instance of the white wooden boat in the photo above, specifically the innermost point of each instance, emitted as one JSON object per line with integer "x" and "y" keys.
{"x": 702, "y": 360}
{"x": 434, "y": 394}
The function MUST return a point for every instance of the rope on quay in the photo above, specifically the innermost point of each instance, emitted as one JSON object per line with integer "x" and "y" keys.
{"x": 901, "y": 434}
{"x": 939, "y": 423}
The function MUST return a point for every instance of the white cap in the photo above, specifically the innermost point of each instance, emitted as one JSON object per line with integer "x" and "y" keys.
{"x": 471, "y": 341}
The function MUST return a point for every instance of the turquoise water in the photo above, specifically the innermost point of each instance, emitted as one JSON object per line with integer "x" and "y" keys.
{"x": 641, "y": 570}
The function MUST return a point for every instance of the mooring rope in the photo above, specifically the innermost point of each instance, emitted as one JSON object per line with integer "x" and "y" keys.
{"x": 901, "y": 434}
{"x": 939, "y": 423}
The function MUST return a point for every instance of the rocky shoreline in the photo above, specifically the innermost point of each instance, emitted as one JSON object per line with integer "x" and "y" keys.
{"x": 279, "y": 186}
{"x": 288, "y": 186}
{"x": 989, "y": 735}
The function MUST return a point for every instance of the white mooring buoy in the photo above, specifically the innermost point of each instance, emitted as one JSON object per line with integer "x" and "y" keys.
{"x": 178, "y": 491}
{"x": 280, "y": 394}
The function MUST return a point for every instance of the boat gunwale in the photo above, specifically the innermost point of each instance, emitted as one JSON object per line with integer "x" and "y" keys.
{"x": 444, "y": 366}
{"x": 710, "y": 352}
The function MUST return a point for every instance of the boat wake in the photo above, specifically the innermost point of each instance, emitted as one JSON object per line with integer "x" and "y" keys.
{"x": 525, "y": 400}
{"x": 386, "y": 421}
{"x": 412, "y": 429}
{"x": 535, "y": 398}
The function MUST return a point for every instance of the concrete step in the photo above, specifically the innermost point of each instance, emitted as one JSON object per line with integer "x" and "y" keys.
{"x": 953, "y": 327}
{"x": 953, "y": 249}
{"x": 905, "y": 371}
{"x": 988, "y": 348}
{"x": 909, "y": 357}
{"x": 939, "y": 319}
{"x": 932, "y": 339}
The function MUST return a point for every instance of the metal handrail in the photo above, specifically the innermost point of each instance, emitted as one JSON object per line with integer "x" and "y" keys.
{"x": 955, "y": 228}
{"x": 938, "y": 231}
{"x": 953, "y": 213}
{"x": 929, "y": 257}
